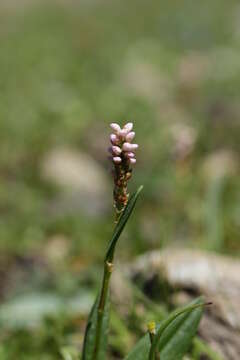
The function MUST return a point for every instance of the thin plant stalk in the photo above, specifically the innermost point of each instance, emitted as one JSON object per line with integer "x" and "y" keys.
{"x": 123, "y": 157}
{"x": 152, "y": 334}
{"x": 108, "y": 267}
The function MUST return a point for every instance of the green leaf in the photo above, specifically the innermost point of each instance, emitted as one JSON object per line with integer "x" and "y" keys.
{"x": 90, "y": 333}
{"x": 91, "y": 329}
{"x": 165, "y": 324}
{"x": 141, "y": 349}
{"x": 121, "y": 224}
{"x": 176, "y": 334}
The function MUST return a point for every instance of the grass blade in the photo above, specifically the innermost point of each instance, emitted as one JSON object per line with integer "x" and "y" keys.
{"x": 165, "y": 323}
{"x": 90, "y": 333}
{"x": 176, "y": 337}
{"x": 121, "y": 224}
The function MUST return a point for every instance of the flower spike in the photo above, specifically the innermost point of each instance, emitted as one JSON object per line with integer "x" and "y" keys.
{"x": 123, "y": 158}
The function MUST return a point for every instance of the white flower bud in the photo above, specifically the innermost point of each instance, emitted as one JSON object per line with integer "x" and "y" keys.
{"x": 128, "y": 127}
{"x": 134, "y": 146}
{"x": 122, "y": 133}
{"x": 116, "y": 150}
{"x": 116, "y": 128}
{"x": 129, "y": 147}
{"x": 132, "y": 161}
{"x": 130, "y": 155}
{"x": 130, "y": 136}
{"x": 114, "y": 139}
{"x": 117, "y": 159}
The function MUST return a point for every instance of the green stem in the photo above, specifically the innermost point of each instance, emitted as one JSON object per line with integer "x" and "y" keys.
{"x": 152, "y": 334}
{"x": 108, "y": 266}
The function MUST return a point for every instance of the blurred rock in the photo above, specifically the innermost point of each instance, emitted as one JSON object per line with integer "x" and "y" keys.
{"x": 81, "y": 180}
{"x": 184, "y": 138}
{"x": 192, "y": 273}
{"x": 28, "y": 310}
{"x": 57, "y": 248}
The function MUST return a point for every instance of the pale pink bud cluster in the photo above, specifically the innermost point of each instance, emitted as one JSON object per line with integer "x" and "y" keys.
{"x": 122, "y": 149}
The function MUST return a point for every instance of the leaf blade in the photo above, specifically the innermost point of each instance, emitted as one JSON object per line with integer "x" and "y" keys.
{"x": 177, "y": 345}
{"x": 121, "y": 224}
{"x": 90, "y": 332}
{"x": 167, "y": 322}
{"x": 171, "y": 344}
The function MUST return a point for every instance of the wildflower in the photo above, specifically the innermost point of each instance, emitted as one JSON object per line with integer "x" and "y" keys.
{"x": 123, "y": 157}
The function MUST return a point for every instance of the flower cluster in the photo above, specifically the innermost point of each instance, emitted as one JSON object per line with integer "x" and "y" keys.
{"x": 123, "y": 157}
{"x": 122, "y": 147}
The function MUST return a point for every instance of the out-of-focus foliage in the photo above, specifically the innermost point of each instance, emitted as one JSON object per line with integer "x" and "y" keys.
{"x": 69, "y": 68}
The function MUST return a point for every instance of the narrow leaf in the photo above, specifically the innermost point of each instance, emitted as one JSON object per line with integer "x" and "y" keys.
{"x": 141, "y": 349}
{"x": 176, "y": 338}
{"x": 121, "y": 224}
{"x": 165, "y": 323}
{"x": 90, "y": 333}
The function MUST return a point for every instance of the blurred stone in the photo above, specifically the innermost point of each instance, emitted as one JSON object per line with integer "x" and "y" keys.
{"x": 57, "y": 248}
{"x": 184, "y": 138}
{"x": 81, "y": 180}
{"x": 192, "y": 273}
{"x": 219, "y": 164}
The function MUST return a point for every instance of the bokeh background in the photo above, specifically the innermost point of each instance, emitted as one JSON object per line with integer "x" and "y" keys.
{"x": 68, "y": 69}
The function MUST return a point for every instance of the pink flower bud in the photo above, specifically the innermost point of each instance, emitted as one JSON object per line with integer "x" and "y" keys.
{"x": 115, "y": 127}
{"x": 114, "y": 139}
{"x": 117, "y": 159}
{"x": 122, "y": 133}
{"x": 116, "y": 150}
{"x": 130, "y": 136}
{"x": 132, "y": 161}
{"x": 129, "y": 147}
{"x": 128, "y": 127}
{"x": 130, "y": 155}
{"x": 134, "y": 146}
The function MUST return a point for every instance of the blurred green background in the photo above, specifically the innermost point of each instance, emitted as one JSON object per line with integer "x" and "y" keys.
{"x": 68, "y": 69}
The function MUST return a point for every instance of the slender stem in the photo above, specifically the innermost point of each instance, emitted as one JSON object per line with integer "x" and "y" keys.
{"x": 108, "y": 267}
{"x": 152, "y": 334}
